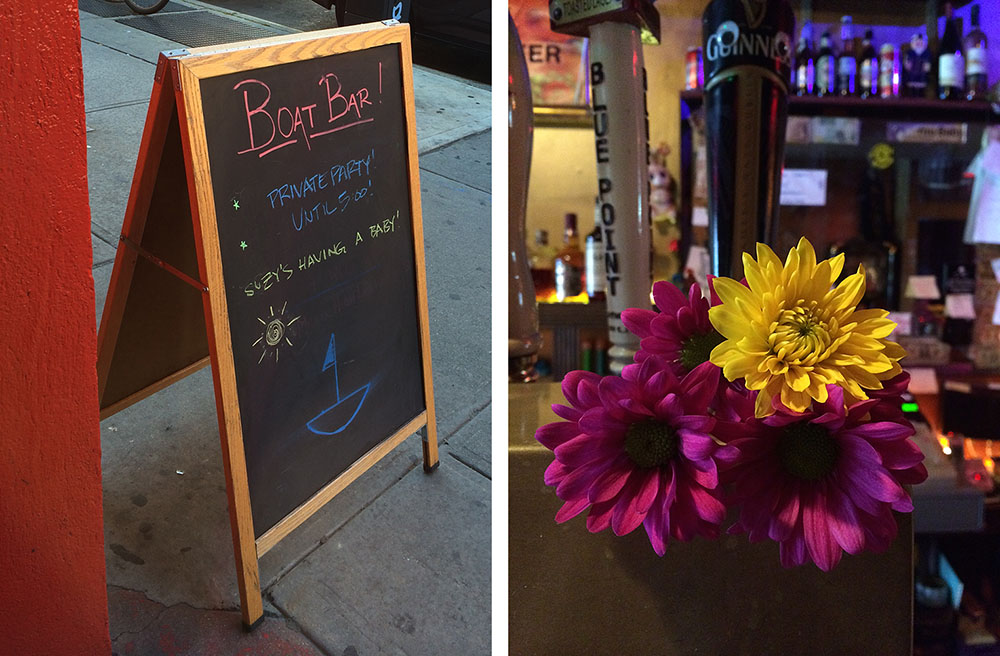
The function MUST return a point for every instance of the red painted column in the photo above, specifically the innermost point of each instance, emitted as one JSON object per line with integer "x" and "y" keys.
{"x": 53, "y": 594}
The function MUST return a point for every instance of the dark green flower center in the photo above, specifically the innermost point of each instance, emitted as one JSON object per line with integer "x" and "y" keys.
{"x": 697, "y": 348}
{"x": 807, "y": 451}
{"x": 650, "y": 443}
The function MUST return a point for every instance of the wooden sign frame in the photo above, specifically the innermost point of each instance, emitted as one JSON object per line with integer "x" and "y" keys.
{"x": 168, "y": 263}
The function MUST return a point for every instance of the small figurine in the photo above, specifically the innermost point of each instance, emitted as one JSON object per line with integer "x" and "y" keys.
{"x": 916, "y": 67}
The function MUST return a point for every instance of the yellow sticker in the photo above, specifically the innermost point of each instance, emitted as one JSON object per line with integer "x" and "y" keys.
{"x": 881, "y": 156}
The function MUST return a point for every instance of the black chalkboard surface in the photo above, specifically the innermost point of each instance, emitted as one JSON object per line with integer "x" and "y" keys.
{"x": 312, "y": 203}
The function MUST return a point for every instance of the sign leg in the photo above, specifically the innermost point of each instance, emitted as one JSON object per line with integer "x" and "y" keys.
{"x": 429, "y": 434}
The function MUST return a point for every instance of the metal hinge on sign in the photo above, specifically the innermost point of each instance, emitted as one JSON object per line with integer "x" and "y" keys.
{"x": 168, "y": 56}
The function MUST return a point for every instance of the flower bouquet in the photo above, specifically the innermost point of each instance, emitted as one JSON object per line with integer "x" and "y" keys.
{"x": 776, "y": 398}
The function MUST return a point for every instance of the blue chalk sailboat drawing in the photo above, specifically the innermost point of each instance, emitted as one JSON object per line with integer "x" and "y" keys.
{"x": 339, "y": 415}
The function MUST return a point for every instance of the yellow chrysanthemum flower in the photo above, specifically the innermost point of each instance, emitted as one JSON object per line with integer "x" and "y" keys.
{"x": 791, "y": 332}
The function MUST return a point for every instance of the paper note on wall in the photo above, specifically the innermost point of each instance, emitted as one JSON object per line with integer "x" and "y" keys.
{"x": 984, "y": 210}
{"x": 803, "y": 187}
{"x": 959, "y": 306}
{"x": 923, "y": 380}
{"x": 903, "y": 321}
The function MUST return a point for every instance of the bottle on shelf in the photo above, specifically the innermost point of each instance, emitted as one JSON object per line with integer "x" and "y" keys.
{"x": 569, "y": 266}
{"x": 951, "y": 68}
{"x": 847, "y": 62}
{"x": 868, "y": 68}
{"x": 875, "y": 246}
{"x": 916, "y": 68}
{"x": 542, "y": 273}
{"x": 594, "y": 272}
{"x": 888, "y": 71}
{"x": 976, "y": 80}
{"x": 959, "y": 280}
{"x": 826, "y": 67}
{"x": 805, "y": 63}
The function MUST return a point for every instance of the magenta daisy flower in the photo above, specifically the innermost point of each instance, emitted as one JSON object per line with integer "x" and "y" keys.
{"x": 637, "y": 450}
{"x": 680, "y": 332}
{"x": 821, "y": 482}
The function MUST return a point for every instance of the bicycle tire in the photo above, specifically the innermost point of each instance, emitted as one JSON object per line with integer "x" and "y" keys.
{"x": 145, "y": 8}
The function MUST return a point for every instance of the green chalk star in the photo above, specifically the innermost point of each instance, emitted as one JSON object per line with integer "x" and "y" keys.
{"x": 236, "y": 204}
{"x": 243, "y": 245}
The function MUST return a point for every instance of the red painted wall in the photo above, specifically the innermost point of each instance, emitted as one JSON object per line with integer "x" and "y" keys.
{"x": 53, "y": 595}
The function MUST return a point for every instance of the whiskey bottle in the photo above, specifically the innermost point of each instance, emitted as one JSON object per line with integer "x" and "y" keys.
{"x": 868, "y": 68}
{"x": 569, "y": 265}
{"x": 594, "y": 274}
{"x": 541, "y": 263}
{"x": 805, "y": 63}
{"x": 826, "y": 67}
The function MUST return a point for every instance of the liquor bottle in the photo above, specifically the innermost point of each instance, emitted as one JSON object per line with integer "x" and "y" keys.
{"x": 847, "y": 62}
{"x": 805, "y": 63}
{"x": 747, "y": 80}
{"x": 916, "y": 68}
{"x": 976, "y": 82}
{"x": 569, "y": 264}
{"x": 542, "y": 274}
{"x": 826, "y": 67}
{"x": 875, "y": 246}
{"x": 888, "y": 71}
{"x": 594, "y": 272}
{"x": 951, "y": 69}
{"x": 958, "y": 281}
{"x": 868, "y": 68}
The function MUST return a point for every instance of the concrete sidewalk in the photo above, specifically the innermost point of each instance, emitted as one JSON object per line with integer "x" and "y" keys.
{"x": 399, "y": 563}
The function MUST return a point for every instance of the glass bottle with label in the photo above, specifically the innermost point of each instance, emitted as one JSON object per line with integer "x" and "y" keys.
{"x": 888, "y": 71}
{"x": 805, "y": 63}
{"x": 951, "y": 67}
{"x": 542, "y": 274}
{"x": 569, "y": 265}
{"x": 976, "y": 83}
{"x": 875, "y": 246}
{"x": 826, "y": 67}
{"x": 847, "y": 62}
{"x": 868, "y": 68}
{"x": 594, "y": 256}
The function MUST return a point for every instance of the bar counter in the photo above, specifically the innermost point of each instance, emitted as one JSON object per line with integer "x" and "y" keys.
{"x": 573, "y": 592}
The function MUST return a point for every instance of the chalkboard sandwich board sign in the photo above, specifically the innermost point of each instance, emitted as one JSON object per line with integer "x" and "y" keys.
{"x": 295, "y": 267}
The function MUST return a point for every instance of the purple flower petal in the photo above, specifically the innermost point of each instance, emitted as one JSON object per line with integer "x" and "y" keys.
{"x": 637, "y": 321}
{"x": 657, "y": 528}
{"x": 566, "y": 412}
{"x": 580, "y": 388}
{"x": 792, "y": 552}
{"x": 555, "y": 472}
{"x": 873, "y": 480}
{"x": 571, "y": 509}
{"x": 787, "y": 516}
{"x": 632, "y": 506}
{"x": 599, "y": 517}
{"x": 823, "y": 549}
{"x": 552, "y": 435}
{"x": 576, "y": 483}
{"x": 584, "y": 449}
{"x": 899, "y": 454}
{"x": 668, "y": 297}
{"x": 881, "y": 430}
{"x": 699, "y": 387}
{"x": 844, "y": 522}
{"x": 696, "y": 445}
{"x": 610, "y": 482}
